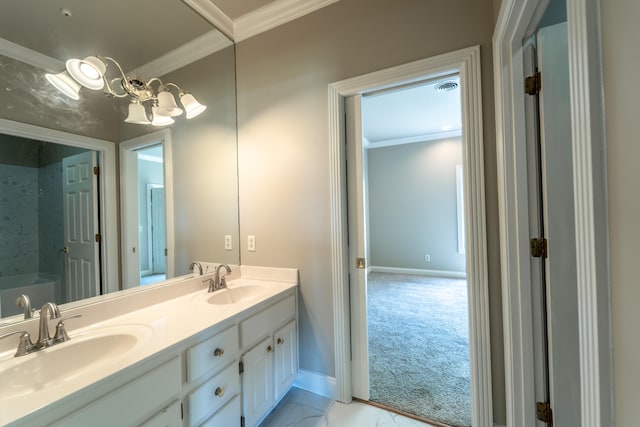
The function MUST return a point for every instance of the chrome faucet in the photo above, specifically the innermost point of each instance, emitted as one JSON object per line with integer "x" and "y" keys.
{"x": 218, "y": 282}
{"x": 24, "y": 302}
{"x": 51, "y": 310}
{"x": 196, "y": 264}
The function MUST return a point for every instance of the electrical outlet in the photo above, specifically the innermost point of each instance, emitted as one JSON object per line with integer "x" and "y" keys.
{"x": 228, "y": 245}
{"x": 251, "y": 243}
{"x": 427, "y": 258}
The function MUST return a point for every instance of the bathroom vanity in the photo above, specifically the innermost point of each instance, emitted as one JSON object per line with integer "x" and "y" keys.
{"x": 176, "y": 355}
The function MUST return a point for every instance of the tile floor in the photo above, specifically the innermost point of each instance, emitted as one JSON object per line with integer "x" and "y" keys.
{"x": 300, "y": 408}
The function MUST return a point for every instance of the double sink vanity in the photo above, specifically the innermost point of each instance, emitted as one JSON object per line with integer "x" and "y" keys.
{"x": 175, "y": 355}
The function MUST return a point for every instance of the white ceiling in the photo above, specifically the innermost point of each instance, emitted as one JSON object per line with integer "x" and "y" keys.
{"x": 412, "y": 114}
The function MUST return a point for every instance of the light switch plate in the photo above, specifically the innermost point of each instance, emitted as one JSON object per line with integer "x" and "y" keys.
{"x": 251, "y": 243}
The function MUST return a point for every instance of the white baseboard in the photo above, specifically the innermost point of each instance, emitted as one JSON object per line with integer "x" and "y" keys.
{"x": 317, "y": 383}
{"x": 420, "y": 272}
{"x": 498, "y": 425}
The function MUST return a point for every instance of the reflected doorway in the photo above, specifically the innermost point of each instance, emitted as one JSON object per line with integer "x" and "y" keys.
{"x": 146, "y": 195}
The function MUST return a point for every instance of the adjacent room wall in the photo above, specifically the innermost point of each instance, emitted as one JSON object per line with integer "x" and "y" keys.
{"x": 620, "y": 35}
{"x": 422, "y": 218}
{"x": 283, "y": 75}
{"x": 148, "y": 173}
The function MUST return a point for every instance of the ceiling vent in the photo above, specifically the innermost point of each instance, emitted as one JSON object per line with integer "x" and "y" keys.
{"x": 446, "y": 86}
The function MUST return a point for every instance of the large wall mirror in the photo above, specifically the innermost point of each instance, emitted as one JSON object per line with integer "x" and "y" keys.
{"x": 160, "y": 197}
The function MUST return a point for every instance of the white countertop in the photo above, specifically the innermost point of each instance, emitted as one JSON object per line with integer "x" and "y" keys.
{"x": 165, "y": 324}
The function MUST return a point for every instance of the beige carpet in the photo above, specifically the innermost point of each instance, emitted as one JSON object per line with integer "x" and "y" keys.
{"x": 419, "y": 346}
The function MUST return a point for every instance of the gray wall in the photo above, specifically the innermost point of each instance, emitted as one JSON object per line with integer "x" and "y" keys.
{"x": 412, "y": 205}
{"x": 620, "y": 35}
{"x": 283, "y": 140}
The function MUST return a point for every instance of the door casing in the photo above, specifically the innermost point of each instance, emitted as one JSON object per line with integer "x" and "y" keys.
{"x": 515, "y": 22}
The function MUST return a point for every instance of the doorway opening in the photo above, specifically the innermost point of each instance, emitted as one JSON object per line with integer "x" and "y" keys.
{"x": 417, "y": 308}
{"x": 147, "y": 209}
{"x": 151, "y": 217}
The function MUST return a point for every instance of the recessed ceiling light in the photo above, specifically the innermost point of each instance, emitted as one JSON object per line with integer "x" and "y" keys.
{"x": 66, "y": 12}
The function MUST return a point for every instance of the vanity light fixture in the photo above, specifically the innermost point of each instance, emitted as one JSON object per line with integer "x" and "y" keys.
{"x": 154, "y": 95}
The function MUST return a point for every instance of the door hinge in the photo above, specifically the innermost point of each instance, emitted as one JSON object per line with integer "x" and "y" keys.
{"x": 533, "y": 84}
{"x": 539, "y": 247}
{"x": 166, "y": 252}
{"x": 181, "y": 411}
{"x": 544, "y": 412}
{"x": 96, "y": 170}
{"x": 361, "y": 263}
{"x": 241, "y": 368}
{"x": 241, "y": 421}
{"x": 98, "y": 238}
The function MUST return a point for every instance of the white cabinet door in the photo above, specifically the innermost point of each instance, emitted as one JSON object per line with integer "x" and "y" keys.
{"x": 286, "y": 358}
{"x": 257, "y": 382}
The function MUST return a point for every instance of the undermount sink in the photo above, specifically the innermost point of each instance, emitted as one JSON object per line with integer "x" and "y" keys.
{"x": 234, "y": 295}
{"x": 61, "y": 363}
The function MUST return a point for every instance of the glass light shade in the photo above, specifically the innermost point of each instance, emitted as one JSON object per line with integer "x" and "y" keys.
{"x": 167, "y": 105}
{"x": 159, "y": 119}
{"x": 65, "y": 84}
{"x": 137, "y": 114}
{"x": 88, "y": 71}
{"x": 191, "y": 106}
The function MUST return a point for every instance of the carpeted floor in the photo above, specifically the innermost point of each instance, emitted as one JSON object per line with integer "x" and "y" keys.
{"x": 419, "y": 346}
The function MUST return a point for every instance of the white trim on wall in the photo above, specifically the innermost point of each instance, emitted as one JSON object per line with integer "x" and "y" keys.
{"x": 466, "y": 62}
{"x": 108, "y": 211}
{"x": 589, "y": 163}
{"x": 418, "y": 272}
{"x": 316, "y": 383}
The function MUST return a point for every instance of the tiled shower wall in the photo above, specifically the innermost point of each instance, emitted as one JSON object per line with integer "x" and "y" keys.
{"x": 18, "y": 220}
{"x": 31, "y": 220}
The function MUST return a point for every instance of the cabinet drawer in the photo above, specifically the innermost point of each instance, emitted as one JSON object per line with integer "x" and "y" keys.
{"x": 262, "y": 324}
{"x": 228, "y": 416}
{"x": 171, "y": 416}
{"x": 213, "y": 394}
{"x": 212, "y": 354}
{"x": 126, "y": 405}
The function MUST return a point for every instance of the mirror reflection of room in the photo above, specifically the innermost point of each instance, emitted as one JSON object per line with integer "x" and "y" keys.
{"x": 39, "y": 247}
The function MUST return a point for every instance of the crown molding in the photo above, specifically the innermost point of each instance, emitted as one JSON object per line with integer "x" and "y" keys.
{"x": 30, "y": 57}
{"x": 213, "y": 14}
{"x": 192, "y": 51}
{"x": 272, "y": 15}
{"x": 414, "y": 138}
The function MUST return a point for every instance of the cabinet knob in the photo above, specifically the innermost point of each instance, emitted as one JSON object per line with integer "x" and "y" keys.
{"x": 218, "y": 352}
{"x": 219, "y": 392}
{"x": 270, "y": 349}
{"x": 280, "y": 341}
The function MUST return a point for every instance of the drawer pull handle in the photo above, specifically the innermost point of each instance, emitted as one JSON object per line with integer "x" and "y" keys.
{"x": 270, "y": 349}
{"x": 218, "y": 352}
{"x": 219, "y": 392}
{"x": 280, "y": 341}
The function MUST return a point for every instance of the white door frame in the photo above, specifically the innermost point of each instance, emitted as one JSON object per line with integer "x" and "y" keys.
{"x": 466, "y": 62}
{"x": 516, "y": 20}
{"x": 108, "y": 210}
{"x": 126, "y": 147}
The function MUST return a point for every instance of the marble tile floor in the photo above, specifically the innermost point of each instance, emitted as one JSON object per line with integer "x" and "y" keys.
{"x": 301, "y": 408}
